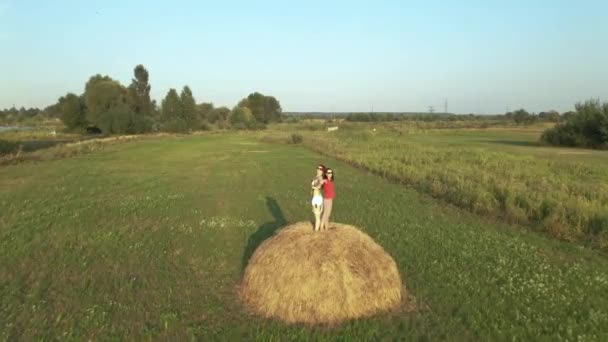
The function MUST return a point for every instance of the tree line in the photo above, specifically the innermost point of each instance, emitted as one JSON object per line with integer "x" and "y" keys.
{"x": 14, "y": 116}
{"x": 586, "y": 126}
{"x": 520, "y": 116}
{"x": 110, "y": 107}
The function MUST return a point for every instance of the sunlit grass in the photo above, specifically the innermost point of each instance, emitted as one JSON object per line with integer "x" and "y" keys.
{"x": 500, "y": 172}
{"x": 147, "y": 240}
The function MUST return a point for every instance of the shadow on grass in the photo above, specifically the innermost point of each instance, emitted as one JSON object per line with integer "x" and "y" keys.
{"x": 264, "y": 231}
{"x": 524, "y": 143}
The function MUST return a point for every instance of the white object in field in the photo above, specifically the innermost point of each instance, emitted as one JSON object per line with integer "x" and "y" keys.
{"x": 374, "y": 129}
{"x": 53, "y": 133}
{"x": 331, "y": 129}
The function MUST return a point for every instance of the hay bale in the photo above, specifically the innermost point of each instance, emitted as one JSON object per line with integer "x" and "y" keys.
{"x": 302, "y": 276}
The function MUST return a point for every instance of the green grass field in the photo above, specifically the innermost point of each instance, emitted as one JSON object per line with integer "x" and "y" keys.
{"x": 500, "y": 172}
{"x": 149, "y": 239}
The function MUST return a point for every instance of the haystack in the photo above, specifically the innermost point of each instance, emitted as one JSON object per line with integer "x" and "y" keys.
{"x": 303, "y": 276}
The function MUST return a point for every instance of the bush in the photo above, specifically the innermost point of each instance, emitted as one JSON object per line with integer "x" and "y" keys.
{"x": 139, "y": 124}
{"x": 521, "y": 116}
{"x": 218, "y": 115}
{"x": 205, "y": 126}
{"x": 295, "y": 139}
{"x": 587, "y": 127}
{"x": 562, "y": 135}
{"x": 292, "y": 120}
{"x": 14, "y": 157}
{"x": 222, "y": 124}
{"x": 239, "y": 126}
{"x": 117, "y": 120}
{"x": 257, "y": 126}
{"x": 241, "y": 118}
{"x": 550, "y": 116}
{"x": 8, "y": 147}
{"x": 176, "y": 126}
{"x": 313, "y": 126}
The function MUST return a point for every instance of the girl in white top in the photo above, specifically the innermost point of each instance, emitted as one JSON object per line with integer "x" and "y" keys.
{"x": 317, "y": 196}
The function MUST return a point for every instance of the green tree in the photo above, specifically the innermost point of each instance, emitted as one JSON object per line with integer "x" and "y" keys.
{"x": 264, "y": 108}
{"x": 521, "y": 116}
{"x": 188, "y": 108}
{"x": 106, "y": 102}
{"x": 171, "y": 106}
{"x": 13, "y": 111}
{"x": 241, "y": 117}
{"x": 203, "y": 110}
{"x": 156, "y": 113}
{"x": 568, "y": 115}
{"x": 171, "y": 113}
{"x": 54, "y": 110}
{"x": 72, "y": 111}
{"x": 118, "y": 119}
{"x": 272, "y": 108}
{"x": 219, "y": 114}
{"x": 551, "y": 116}
{"x": 139, "y": 91}
{"x": 141, "y": 106}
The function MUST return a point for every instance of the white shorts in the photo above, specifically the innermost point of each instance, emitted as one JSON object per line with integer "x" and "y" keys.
{"x": 317, "y": 200}
{"x": 317, "y": 204}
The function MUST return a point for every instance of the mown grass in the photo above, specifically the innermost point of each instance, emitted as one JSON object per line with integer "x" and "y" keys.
{"x": 148, "y": 240}
{"x": 498, "y": 172}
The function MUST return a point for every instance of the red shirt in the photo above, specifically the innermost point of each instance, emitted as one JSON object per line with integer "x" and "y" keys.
{"x": 328, "y": 190}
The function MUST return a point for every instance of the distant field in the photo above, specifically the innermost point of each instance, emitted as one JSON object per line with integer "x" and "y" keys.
{"x": 499, "y": 172}
{"x": 149, "y": 239}
{"x": 521, "y": 141}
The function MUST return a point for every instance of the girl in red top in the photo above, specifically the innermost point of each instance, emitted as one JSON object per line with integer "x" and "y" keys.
{"x": 328, "y": 197}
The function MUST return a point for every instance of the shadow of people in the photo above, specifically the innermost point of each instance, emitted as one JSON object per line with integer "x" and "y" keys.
{"x": 264, "y": 231}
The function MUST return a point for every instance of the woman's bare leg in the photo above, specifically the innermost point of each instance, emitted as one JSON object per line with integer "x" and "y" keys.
{"x": 327, "y": 204}
{"x": 317, "y": 212}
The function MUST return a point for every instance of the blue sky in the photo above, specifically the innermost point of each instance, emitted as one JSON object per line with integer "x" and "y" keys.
{"x": 314, "y": 55}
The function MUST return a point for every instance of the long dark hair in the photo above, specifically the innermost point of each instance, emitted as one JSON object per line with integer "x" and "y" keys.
{"x": 324, "y": 169}
{"x": 330, "y": 171}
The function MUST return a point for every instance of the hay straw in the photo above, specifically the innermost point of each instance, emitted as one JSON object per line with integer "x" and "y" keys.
{"x": 302, "y": 276}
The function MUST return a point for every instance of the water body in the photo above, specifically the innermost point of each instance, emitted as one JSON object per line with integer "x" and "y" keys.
{"x": 14, "y": 128}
